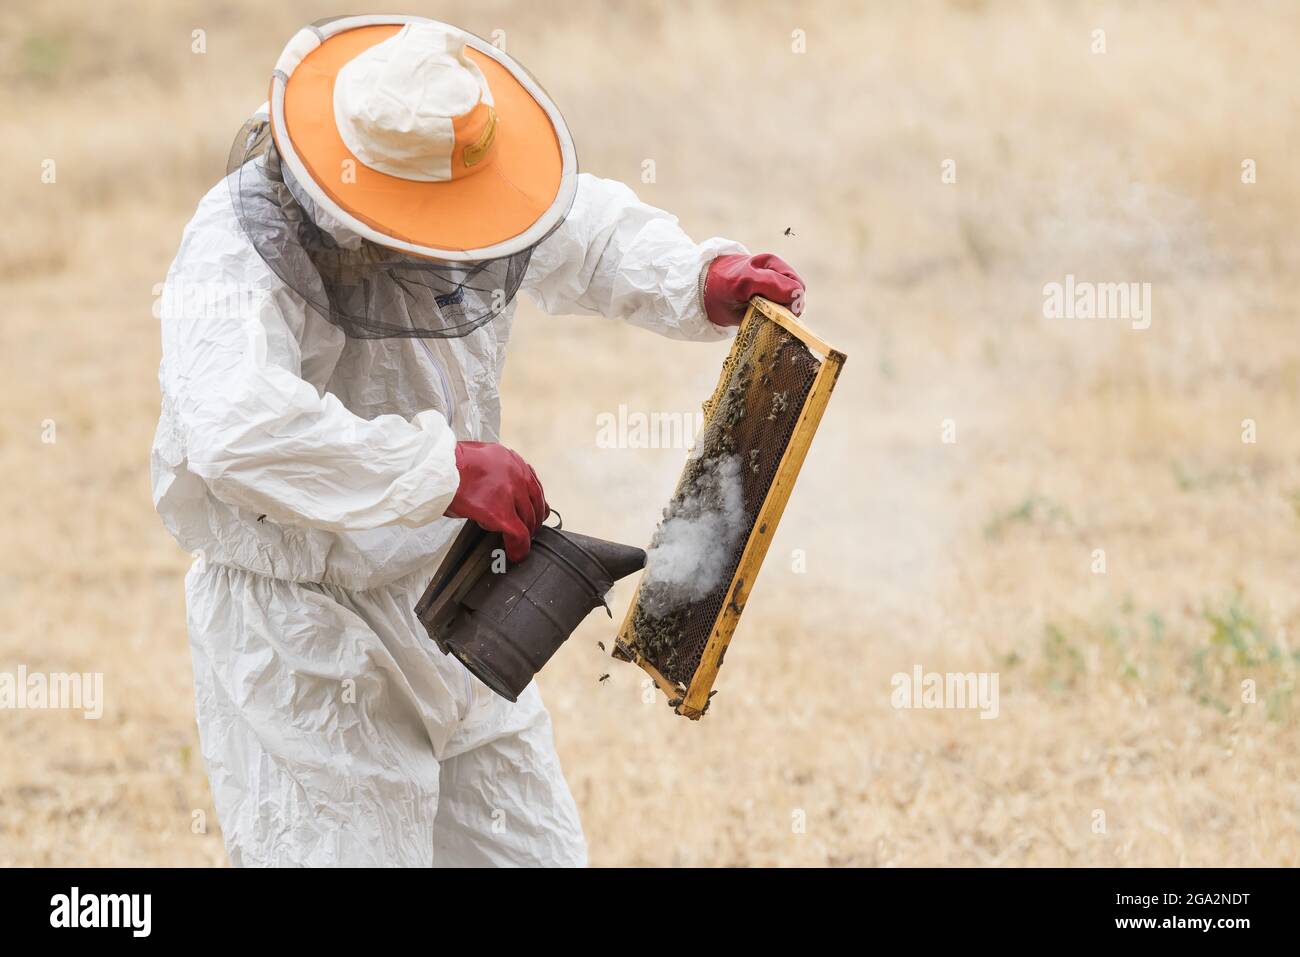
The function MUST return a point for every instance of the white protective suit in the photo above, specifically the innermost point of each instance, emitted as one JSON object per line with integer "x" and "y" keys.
{"x": 308, "y": 472}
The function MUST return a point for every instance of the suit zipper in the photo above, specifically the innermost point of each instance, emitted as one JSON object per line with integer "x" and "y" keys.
{"x": 447, "y": 397}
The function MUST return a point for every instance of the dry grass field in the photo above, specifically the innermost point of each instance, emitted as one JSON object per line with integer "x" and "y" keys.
{"x": 1122, "y": 696}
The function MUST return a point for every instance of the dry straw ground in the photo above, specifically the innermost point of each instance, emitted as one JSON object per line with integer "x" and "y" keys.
{"x": 1120, "y": 693}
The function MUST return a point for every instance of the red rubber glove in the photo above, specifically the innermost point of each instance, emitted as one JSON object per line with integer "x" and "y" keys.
{"x": 732, "y": 280}
{"x": 499, "y": 491}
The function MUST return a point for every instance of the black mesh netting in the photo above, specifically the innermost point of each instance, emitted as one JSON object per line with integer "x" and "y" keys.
{"x": 367, "y": 290}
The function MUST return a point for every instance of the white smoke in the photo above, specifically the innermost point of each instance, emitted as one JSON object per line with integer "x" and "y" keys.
{"x": 692, "y": 548}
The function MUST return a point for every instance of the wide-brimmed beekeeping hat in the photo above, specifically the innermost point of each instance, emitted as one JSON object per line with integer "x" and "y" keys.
{"x": 401, "y": 175}
{"x": 421, "y": 137}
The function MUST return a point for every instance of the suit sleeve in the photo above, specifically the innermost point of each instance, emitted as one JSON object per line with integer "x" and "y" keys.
{"x": 260, "y": 436}
{"x": 618, "y": 257}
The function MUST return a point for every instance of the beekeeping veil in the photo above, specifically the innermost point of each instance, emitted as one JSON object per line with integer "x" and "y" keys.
{"x": 401, "y": 175}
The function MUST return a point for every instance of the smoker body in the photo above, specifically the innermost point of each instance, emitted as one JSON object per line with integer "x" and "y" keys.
{"x": 504, "y": 621}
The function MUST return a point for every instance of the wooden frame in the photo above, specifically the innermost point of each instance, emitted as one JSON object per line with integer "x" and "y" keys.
{"x": 692, "y": 700}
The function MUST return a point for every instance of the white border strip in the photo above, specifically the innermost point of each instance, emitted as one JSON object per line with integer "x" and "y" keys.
{"x": 529, "y": 237}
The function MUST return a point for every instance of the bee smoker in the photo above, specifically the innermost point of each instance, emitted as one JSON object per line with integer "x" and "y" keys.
{"x": 505, "y": 621}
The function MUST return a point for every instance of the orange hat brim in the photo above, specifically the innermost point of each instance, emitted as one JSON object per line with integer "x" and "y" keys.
{"x": 503, "y": 200}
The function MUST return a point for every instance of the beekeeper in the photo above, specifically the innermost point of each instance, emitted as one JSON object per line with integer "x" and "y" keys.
{"x": 333, "y": 332}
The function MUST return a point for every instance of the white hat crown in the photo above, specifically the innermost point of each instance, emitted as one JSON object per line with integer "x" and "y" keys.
{"x": 395, "y": 104}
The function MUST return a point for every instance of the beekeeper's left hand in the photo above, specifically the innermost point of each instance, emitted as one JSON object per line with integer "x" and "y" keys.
{"x": 731, "y": 281}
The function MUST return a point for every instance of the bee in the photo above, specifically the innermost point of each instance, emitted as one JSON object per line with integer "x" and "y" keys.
{"x": 780, "y": 401}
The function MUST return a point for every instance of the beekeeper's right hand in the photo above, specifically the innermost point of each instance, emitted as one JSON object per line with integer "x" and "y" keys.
{"x": 501, "y": 492}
